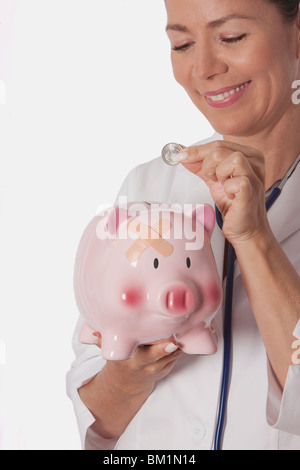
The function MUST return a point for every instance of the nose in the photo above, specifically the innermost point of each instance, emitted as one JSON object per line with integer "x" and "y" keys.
{"x": 207, "y": 63}
{"x": 179, "y": 300}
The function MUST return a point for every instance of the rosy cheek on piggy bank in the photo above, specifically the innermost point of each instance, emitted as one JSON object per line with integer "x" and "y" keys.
{"x": 212, "y": 293}
{"x": 132, "y": 297}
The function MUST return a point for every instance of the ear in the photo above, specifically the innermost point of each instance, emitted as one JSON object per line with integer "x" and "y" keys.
{"x": 205, "y": 214}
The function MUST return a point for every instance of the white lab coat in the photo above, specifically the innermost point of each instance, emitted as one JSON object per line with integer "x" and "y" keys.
{"x": 181, "y": 412}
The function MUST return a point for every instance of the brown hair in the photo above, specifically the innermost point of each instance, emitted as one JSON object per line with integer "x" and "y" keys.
{"x": 288, "y": 8}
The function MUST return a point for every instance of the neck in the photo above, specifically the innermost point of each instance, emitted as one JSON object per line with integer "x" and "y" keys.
{"x": 280, "y": 145}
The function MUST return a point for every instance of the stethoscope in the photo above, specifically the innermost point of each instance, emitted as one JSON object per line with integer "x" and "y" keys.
{"x": 168, "y": 151}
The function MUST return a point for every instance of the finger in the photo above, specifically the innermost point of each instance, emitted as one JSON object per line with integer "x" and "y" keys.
{"x": 234, "y": 165}
{"x": 151, "y": 353}
{"x": 211, "y": 163}
{"x": 242, "y": 164}
{"x": 163, "y": 364}
{"x": 240, "y": 188}
{"x": 154, "y": 352}
{"x": 198, "y": 153}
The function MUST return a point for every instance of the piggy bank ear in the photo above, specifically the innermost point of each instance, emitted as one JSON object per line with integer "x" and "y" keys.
{"x": 205, "y": 214}
{"x": 115, "y": 218}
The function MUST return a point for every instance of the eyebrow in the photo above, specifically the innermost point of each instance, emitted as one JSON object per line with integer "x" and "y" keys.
{"x": 211, "y": 24}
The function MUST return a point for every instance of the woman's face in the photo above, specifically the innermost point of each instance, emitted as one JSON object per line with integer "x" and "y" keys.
{"x": 236, "y": 60}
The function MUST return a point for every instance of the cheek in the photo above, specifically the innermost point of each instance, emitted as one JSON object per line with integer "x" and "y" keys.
{"x": 131, "y": 297}
{"x": 265, "y": 62}
{"x": 213, "y": 294}
{"x": 180, "y": 71}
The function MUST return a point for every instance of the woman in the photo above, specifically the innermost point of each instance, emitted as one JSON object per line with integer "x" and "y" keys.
{"x": 238, "y": 62}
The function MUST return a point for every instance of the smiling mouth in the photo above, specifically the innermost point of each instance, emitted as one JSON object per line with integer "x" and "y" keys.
{"x": 230, "y": 92}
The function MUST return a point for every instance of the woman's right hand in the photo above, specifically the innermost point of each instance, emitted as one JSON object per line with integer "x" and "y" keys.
{"x": 147, "y": 365}
{"x": 119, "y": 390}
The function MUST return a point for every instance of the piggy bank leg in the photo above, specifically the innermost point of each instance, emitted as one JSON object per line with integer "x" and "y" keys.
{"x": 115, "y": 348}
{"x": 86, "y": 335}
{"x": 198, "y": 341}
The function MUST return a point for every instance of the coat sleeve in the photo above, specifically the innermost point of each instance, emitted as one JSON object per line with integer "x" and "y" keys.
{"x": 283, "y": 407}
{"x": 87, "y": 363}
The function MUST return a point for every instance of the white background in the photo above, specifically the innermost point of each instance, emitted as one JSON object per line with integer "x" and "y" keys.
{"x": 89, "y": 95}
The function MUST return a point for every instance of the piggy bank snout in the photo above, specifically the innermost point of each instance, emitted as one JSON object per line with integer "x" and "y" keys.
{"x": 178, "y": 299}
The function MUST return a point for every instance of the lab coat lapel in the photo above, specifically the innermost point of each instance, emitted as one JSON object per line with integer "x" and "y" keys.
{"x": 284, "y": 216}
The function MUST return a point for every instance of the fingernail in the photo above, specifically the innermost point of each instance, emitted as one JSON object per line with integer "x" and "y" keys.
{"x": 180, "y": 157}
{"x": 171, "y": 348}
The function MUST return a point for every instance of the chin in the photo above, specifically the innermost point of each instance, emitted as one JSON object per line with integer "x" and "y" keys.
{"x": 235, "y": 128}
{"x": 233, "y": 121}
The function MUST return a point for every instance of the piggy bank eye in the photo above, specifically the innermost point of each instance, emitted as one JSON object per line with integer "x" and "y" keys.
{"x": 188, "y": 262}
{"x": 155, "y": 263}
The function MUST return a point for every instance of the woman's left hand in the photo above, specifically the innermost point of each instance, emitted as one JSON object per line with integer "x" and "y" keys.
{"x": 235, "y": 175}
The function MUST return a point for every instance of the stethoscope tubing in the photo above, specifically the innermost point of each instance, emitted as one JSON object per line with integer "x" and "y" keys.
{"x": 227, "y": 328}
{"x": 272, "y": 198}
{"x": 227, "y": 333}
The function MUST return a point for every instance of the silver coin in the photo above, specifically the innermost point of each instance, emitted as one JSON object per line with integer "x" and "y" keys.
{"x": 169, "y": 151}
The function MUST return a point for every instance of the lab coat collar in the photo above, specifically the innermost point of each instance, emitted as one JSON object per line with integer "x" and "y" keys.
{"x": 284, "y": 216}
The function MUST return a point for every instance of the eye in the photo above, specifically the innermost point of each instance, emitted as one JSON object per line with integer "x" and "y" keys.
{"x": 182, "y": 48}
{"x": 234, "y": 39}
{"x": 188, "y": 262}
{"x": 156, "y": 263}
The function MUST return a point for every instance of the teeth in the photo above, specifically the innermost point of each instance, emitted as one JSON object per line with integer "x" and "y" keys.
{"x": 223, "y": 96}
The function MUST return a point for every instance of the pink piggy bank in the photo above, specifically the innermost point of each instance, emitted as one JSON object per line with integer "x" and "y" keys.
{"x": 145, "y": 273}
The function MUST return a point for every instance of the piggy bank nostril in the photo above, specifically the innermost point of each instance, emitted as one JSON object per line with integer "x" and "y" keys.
{"x": 180, "y": 300}
{"x": 189, "y": 300}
